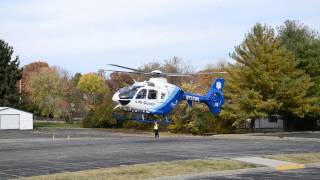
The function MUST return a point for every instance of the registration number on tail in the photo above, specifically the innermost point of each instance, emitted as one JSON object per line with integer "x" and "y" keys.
{"x": 192, "y": 98}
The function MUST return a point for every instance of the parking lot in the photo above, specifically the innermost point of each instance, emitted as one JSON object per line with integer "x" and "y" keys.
{"x": 29, "y": 153}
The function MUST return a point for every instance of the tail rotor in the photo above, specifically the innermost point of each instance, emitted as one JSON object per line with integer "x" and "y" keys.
{"x": 215, "y": 96}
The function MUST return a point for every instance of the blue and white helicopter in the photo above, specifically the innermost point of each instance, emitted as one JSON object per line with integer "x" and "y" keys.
{"x": 158, "y": 97}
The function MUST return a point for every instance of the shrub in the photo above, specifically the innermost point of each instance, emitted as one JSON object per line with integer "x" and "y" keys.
{"x": 101, "y": 117}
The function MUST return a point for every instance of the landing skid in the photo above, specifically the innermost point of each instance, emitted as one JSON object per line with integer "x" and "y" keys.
{"x": 139, "y": 118}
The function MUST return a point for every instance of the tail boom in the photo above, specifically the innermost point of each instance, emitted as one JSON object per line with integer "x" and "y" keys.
{"x": 214, "y": 99}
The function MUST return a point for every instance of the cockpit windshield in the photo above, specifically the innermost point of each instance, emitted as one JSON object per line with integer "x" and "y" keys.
{"x": 128, "y": 92}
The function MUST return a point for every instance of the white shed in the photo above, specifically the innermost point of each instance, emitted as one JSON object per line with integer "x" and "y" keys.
{"x": 11, "y": 118}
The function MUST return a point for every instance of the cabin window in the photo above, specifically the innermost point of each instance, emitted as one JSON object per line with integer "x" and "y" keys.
{"x": 150, "y": 83}
{"x": 142, "y": 94}
{"x": 163, "y": 95}
{"x": 152, "y": 94}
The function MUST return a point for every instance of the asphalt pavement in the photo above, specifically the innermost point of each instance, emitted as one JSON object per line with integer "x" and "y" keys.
{"x": 29, "y": 153}
{"x": 310, "y": 134}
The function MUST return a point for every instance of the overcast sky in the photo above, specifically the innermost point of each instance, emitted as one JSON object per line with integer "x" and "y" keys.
{"x": 83, "y": 36}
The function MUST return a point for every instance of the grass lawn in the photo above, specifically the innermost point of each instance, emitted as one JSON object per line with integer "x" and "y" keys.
{"x": 297, "y": 158}
{"x": 55, "y": 125}
{"x": 150, "y": 170}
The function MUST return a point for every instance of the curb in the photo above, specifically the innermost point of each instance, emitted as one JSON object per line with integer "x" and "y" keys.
{"x": 276, "y": 164}
{"x": 215, "y": 173}
{"x": 228, "y": 172}
{"x": 236, "y": 172}
{"x": 289, "y": 167}
{"x": 312, "y": 165}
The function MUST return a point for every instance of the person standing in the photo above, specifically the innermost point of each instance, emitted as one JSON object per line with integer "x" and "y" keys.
{"x": 156, "y": 130}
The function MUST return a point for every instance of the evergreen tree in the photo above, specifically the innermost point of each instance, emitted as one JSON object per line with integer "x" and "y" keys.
{"x": 9, "y": 75}
{"x": 304, "y": 43}
{"x": 265, "y": 79}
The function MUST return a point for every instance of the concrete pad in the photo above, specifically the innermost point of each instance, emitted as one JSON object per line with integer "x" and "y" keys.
{"x": 278, "y": 165}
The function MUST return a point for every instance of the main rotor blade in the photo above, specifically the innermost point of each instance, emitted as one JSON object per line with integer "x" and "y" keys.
{"x": 177, "y": 75}
{"x": 192, "y": 74}
{"x": 132, "y": 69}
{"x": 130, "y": 72}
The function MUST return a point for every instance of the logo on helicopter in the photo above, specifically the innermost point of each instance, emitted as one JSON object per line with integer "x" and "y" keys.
{"x": 218, "y": 85}
{"x": 145, "y": 103}
{"x": 173, "y": 104}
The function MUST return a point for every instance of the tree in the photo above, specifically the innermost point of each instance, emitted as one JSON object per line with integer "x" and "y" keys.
{"x": 195, "y": 120}
{"x": 102, "y": 115}
{"x": 93, "y": 86}
{"x": 91, "y": 83}
{"x": 46, "y": 89}
{"x": 76, "y": 79}
{"x": 28, "y": 69}
{"x": 119, "y": 80}
{"x": 75, "y": 97}
{"x": 26, "y": 102}
{"x": 10, "y": 74}
{"x": 304, "y": 43}
{"x": 265, "y": 79}
{"x": 70, "y": 104}
{"x": 98, "y": 99}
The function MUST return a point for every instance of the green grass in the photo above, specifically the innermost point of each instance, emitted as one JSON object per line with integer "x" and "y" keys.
{"x": 150, "y": 170}
{"x": 55, "y": 125}
{"x": 297, "y": 158}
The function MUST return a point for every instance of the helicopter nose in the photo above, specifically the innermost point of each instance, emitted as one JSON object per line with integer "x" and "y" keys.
{"x": 116, "y": 98}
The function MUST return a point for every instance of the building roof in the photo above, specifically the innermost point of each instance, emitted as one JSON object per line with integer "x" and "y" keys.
{"x": 5, "y": 108}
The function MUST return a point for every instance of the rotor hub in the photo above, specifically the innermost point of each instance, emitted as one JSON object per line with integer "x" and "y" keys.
{"x": 156, "y": 73}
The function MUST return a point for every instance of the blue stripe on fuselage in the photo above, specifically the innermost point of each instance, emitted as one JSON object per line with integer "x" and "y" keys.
{"x": 170, "y": 103}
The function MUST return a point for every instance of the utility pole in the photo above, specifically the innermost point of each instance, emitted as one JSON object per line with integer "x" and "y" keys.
{"x": 20, "y": 88}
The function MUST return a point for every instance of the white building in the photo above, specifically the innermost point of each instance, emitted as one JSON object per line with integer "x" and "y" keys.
{"x": 11, "y": 118}
{"x": 267, "y": 124}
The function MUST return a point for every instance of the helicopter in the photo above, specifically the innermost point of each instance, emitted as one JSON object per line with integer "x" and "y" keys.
{"x": 158, "y": 97}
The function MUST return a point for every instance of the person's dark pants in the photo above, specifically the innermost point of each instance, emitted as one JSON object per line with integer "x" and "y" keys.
{"x": 156, "y": 133}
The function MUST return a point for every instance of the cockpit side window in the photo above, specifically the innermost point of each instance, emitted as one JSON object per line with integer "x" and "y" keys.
{"x": 128, "y": 92}
{"x": 142, "y": 94}
{"x": 152, "y": 94}
{"x": 163, "y": 95}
